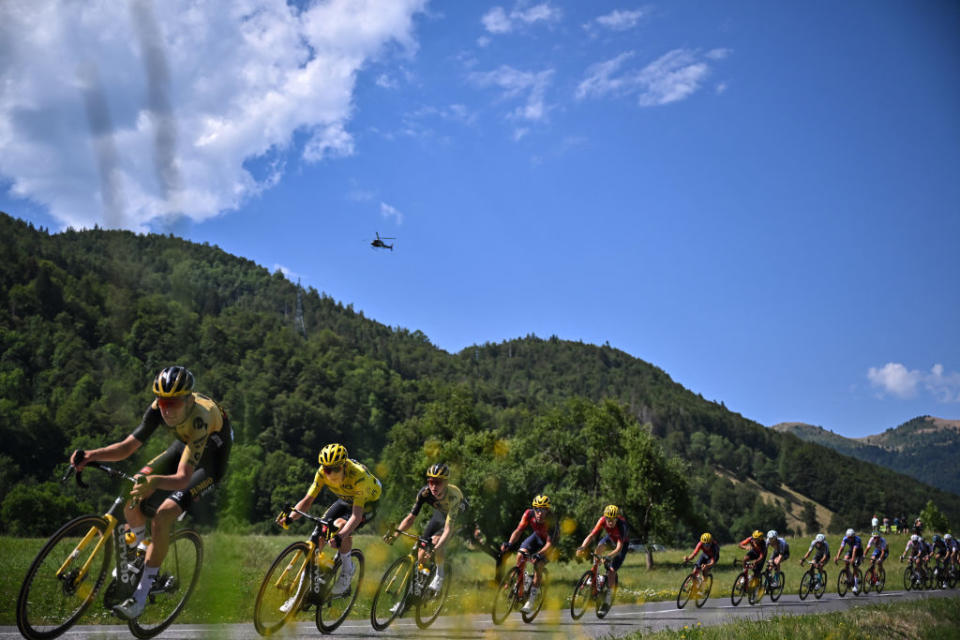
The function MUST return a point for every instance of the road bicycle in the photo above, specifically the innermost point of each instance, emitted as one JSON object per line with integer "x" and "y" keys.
{"x": 813, "y": 581}
{"x": 303, "y": 576}
{"x": 696, "y": 586}
{"x": 938, "y": 576}
{"x": 406, "y": 584}
{"x": 68, "y": 572}
{"x": 592, "y": 586}
{"x": 515, "y": 587}
{"x": 849, "y": 579}
{"x": 773, "y": 581}
{"x": 913, "y": 575}
{"x": 746, "y": 585}
{"x": 874, "y": 578}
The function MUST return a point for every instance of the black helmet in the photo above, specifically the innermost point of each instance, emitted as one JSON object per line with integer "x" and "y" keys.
{"x": 172, "y": 382}
{"x": 438, "y": 470}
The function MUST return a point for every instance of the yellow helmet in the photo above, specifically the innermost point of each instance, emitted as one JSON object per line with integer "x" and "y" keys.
{"x": 332, "y": 455}
{"x": 706, "y": 538}
{"x": 541, "y": 502}
{"x": 757, "y": 534}
{"x": 612, "y": 511}
{"x": 438, "y": 470}
{"x": 172, "y": 382}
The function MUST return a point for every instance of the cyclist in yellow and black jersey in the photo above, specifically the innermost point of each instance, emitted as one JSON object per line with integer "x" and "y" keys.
{"x": 357, "y": 492}
{"x": 448, "y": 504}
{"x": 176, "y": 479}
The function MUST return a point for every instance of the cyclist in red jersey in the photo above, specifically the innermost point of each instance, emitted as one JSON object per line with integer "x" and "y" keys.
{"x": 756, "y": 548}
{"x": 615, "y": 527}
{"x": 543, "y": 522}
{"x": 711, "y": 554}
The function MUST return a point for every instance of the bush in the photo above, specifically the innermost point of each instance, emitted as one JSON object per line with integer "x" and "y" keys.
{"x": 38, "y": 509}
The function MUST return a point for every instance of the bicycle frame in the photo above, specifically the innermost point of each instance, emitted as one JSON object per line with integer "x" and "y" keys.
{"x": 311, "y": 561}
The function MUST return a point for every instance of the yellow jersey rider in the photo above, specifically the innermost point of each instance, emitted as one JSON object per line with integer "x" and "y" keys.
{"x": 448, "y": 503}
{"x": 357, "y": 492}
{"x": 176, "y": 479}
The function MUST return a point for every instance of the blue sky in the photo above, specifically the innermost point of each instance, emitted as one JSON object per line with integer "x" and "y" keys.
{"x": 760, "y": 198}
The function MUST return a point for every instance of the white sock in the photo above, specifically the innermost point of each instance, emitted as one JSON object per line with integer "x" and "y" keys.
{"x": 146, "y": 581}
{"x": 347, "y": 563}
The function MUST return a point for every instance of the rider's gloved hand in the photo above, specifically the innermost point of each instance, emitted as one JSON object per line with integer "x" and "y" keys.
{"x": 283, "y": 521}
{"x": 581, "y": 552}
{"x": 390, "y": 536}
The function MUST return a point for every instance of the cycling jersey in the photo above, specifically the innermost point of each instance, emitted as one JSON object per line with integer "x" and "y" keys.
{"x": 877, "y": 542}
{"x": 823, "y": 550}
{"x": 358, "y": 486}
{"x": 204, "y": 418}
{"x": 616, "y": 533}
{"x": 781, "y": 548}
{"x": 711, "y": 550}
{"x": 854, "y": 542}
{"x": 451, "y": 505}
{"x": 546, "y": 530}
{"x": 913, "y": 548}
{"x": 757, "y": 545}
{"x": 952, "y": 544}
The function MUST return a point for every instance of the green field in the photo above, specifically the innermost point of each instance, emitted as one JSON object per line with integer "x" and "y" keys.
{"x": 234, "y": 565}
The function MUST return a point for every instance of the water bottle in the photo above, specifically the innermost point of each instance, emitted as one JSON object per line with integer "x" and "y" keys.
{"x": 601, "y": 580}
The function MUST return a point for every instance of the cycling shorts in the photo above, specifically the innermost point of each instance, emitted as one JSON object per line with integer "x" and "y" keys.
{"x": 617, "y": 559}
{"x": 343, "y": 509}
{"x": 435, "y": 525}
{"x": 533, "y": 543}
{"x": 703, "y": 560}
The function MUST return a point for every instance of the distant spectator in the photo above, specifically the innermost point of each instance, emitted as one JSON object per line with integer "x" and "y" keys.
{"x": 874, "y": 523}
{"x": 918, "y": 527}
{"x": 896, "y": 525}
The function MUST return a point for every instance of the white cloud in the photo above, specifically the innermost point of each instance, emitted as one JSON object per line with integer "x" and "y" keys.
{"x": 617, "y": 20}
{"x": 498, "y": 21}
{"x": 120, "y": 120}
{"x": 671, "y": 77}
{"x": 895, "y": 379}
{"x": 531, "y": 86}
{"x": 390, "y": 212}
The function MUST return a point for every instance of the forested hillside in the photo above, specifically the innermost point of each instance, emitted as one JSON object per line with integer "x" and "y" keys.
{"x": 90, "y": 317}
{"x": 925, "y": 448}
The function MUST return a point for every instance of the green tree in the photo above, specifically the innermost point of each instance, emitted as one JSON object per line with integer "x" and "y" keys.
{"x": 933, "y": 519}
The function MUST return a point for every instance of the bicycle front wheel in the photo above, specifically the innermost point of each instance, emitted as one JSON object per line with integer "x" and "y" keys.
{"x": 173, "y": 585}
{"x": 334, "y": 609}
{"x": 581, "y": 596}
{"x": 704, "y": 590}
{"x": 843, "y": 582}
{"x": 391, "y": 596}
{"x": 431, "y": 602}
{"x": 64, "y": 578}
{"x": 280, "y": 594}
{"x": 686, "y": 590}
{"x": 805, "y": 583}
{"x": 739, "y": 589}
{"x": 506, "y": 597}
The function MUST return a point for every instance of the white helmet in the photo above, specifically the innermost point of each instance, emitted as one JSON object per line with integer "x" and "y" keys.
{"x": 771, "y": 534}
{"x": 850, "y": 532}
{"x": 915, "y": 538}
{"x": 947, "y": 536}
{"x": 820, "y": 537}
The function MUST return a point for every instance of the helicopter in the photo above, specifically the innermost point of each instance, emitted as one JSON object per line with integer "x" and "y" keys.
{"x": 379, "y": 243}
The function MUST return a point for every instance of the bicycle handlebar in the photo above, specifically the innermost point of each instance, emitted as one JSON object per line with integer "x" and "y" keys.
{"x": 110, "y": 471}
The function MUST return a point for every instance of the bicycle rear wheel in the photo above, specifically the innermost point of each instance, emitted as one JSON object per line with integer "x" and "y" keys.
{"x": 821, "y": 585}
{"x": 686, "y": 590}
{"x": 704, "y": 591}
{"x": 173, "y": 585}
{"x": 280, "y": 594}
{"x": 431, "y": 603}
{"x": 56, "y": 591}
{"x": 881, "y": 579}
{"x": 334, "y": 609}
{"x": 776, "y": 592}
{"x": 390, "y": 599}
{"x": 858, "y": 582}
{"x": 541, "y": 592}
{"x": 506, "y": 597}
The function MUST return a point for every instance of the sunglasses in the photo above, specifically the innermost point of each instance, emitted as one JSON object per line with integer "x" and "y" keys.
{"x": 434, "y": 480}
{"x": 170, "y": 403}
{"x": 332, "y": 469}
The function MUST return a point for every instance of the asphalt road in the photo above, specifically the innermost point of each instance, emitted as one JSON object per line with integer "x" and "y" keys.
{"x": 621, "y": 620}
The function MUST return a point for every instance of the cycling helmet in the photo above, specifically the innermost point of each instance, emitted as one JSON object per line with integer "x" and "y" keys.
{"x": 757, "y": 534}
{"x": 438, "y": 470}
{"x": 947, "y": 536}
{"x": 541, "y": 502}
{"x": 820, "y": 538}
{"x": 915, "y": 538}
{"x": 850, "y": 532}
{"x": 612, "y": 511}
{"x": 771, "y": 534}
{"x": 172, "y": 382}
{"x": 332, "y": 455}
{"x": 937, "y": 538}
{"x": 706, "y": 538}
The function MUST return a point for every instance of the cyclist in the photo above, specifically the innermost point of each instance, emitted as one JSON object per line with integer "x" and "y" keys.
{"x": 614, "y": 526}
{"x": 448, "y": 504}
{"x": 779, "y": 549}
{"x": 938, "y": 551}
{"x": 855, "y": 554}
{"x": 174, "y": 481}
{"x": 709, "y": 557}
{"x": 821, "y": 550}
{"x": 357, "y": 492}
{"x": 756, "y": 548}
{"x": 880, "y": 550}
{"x": 953, "y": 548}
{"x": 913, "y": 550}
{"x": 544, "y": 524}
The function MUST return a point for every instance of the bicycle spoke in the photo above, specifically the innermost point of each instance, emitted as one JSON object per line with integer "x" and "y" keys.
{"x": 173, "y": 585}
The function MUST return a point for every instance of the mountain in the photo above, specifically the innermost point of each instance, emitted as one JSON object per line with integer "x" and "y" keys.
{"x": 925, "y": 448}
{"x": 91, "y": 316}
